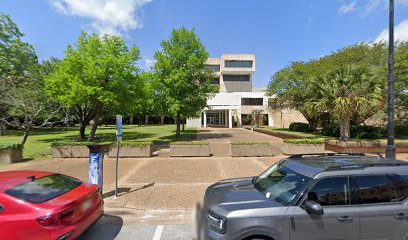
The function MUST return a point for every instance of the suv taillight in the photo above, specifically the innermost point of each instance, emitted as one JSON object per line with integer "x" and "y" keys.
{"x": 55, "y": 218}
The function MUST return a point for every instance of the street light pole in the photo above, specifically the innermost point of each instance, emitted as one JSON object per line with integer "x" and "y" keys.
{"x": 390, "y": 149}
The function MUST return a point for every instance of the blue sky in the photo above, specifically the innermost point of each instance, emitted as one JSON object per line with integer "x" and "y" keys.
{"x": 278, "y": 32}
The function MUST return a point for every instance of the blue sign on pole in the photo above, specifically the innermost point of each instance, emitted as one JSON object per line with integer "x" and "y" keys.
{"x": 96, "y": 169}
{"x": 119, "y": 127}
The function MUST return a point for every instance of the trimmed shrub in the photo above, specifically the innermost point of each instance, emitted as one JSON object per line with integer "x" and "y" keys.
{"x": 11, "y": 146}
{"x": 401, "y": 130}
{"x": 358, "y": 132}
{"x": 305, "y": 141}
{"x": 299, "y": 127}
{"x": 250, "y": 143}
{"x": 73, "y": 143}
{"x": 134, "y": 144}
{"x": 189, "y": 143}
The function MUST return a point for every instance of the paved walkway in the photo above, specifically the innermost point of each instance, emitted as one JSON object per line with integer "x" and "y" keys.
{"x": 220, "y": 138}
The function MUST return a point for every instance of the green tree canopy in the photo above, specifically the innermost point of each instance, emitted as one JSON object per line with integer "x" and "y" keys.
{"x": 97, "y": 75}
{"x": 184, "y": 81}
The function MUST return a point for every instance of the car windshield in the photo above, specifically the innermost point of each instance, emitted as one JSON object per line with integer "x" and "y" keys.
{"x": 281, "y": 184}
{"x": 44, "y": 189}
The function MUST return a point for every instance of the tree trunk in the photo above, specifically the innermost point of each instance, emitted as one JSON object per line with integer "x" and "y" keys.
{"x": 92, "y": 134}
{"x": 182, "y": 128}
{"x": 178, "y": 121}
{"x": 146, "y": 120}
{"x": 140, "y": 120}
{"x": 2, "y": 128}
{"x": 161, "y": 119}
{"x": 27, "y": 128}
{"x": 132, "y": 120}
{"x": 82, "y": 127}
{"x": 344, "y": 124}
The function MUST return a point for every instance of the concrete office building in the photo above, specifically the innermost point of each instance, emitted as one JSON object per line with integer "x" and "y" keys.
{"x": 237, "y": 98}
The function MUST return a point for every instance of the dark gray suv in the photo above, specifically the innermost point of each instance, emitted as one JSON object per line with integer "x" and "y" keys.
{"x": 325, "y": 196}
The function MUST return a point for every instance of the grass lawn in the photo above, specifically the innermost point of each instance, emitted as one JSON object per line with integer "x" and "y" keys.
{"x": 39, "y": 141}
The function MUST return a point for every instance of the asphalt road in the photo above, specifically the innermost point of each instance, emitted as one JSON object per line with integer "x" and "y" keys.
{"x": 111, "y": 227}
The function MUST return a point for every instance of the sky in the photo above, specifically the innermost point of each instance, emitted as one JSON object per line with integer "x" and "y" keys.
{"x": 278, "y": 32}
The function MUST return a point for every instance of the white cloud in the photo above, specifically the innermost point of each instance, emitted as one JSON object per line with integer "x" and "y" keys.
{"x": 348, "y": 8}
{"x": 149, "y": 63}
{"x": 400, "y": 33}
{"x": 106, "y": 16}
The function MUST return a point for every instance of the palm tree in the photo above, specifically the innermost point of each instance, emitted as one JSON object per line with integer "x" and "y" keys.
{"x": 343, "y": 92}
{"x": 256, "y": 116}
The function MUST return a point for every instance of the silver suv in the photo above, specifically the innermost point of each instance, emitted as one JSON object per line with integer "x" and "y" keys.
{"x": 325, "y": 196}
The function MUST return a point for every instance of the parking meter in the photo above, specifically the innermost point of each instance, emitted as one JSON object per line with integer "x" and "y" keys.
{"x": 95, "y": 174}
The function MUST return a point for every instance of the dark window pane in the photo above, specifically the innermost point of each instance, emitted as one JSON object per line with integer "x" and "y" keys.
{"x": 376, "y": 189}
{"x": 44, "y": 189}
{"x": 252, "y": 101}
{"x": 401, "y": 186}
{"x": 331, "y": 192}
{"x": 215, "y": 81}
{"x": 238, "y": 64}
{"x": 215, "y": 68}
{"x": 240, "y": 78}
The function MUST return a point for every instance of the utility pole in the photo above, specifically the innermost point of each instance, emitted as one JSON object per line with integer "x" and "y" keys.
{"x": 390, "y": 149}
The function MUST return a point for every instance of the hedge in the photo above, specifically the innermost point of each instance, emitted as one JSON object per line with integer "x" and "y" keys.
{"x": 305, "y": 141}
{"x": 358, "y": 132}
{"x": 73, "y": 143}
{"x": 299, "y": 127}
{"x": 11, "y": 146}
{"x": 250, "y": 143}
{"x": 189, "y": 143}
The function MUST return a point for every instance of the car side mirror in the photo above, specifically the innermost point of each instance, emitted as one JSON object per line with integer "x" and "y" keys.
{"x": 313, "y": 208}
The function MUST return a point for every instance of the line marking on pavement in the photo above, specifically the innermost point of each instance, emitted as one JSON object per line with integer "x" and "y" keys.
{"x": 158, "y": 232}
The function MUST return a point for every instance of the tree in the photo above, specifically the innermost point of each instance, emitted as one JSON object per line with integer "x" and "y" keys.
{"x": 256, "y": 116}
{"x": 97, "y": 76}
{"x": 17, "y": 58}
{"x": 344, "y": 91}
{"x": 184, "y": 81}
{"x": 401, "y": 84}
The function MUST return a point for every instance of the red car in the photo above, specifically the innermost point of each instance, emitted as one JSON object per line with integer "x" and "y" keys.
{"x": 44, "y": 205}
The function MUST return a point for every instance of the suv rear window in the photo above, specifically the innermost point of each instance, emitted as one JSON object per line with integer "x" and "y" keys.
{"x": 376, "y": 189}
{"x": 44, "y": 189}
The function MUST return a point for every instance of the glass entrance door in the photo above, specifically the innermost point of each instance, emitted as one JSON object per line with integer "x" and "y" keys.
{"x": 213, "y": 118}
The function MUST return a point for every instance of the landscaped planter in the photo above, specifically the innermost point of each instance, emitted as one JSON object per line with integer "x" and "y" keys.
{"x": 279, "y": 134}
{"x": 251, "y": 149}
{"x": 303, "y": 146}
{"x": 11, "y": 153}
{"x": 363, "y": 146}
{"x": 132, "y": 150}
{"x": 70, "y": 151}
{"x": 73, "y": 149}
{"x": 189, "y": 149}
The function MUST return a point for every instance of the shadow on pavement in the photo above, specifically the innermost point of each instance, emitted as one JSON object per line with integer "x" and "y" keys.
{"x": 124, "y": 191}
{"x": 107, "y": 228}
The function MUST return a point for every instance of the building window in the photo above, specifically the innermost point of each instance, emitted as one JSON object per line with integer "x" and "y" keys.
{"x": 215, "y": 68}
{"x": 252, "y": 101}
{"x": 239, "y": 78}
{"x": 238, "y": 64}
{"x": 215, "y": 81}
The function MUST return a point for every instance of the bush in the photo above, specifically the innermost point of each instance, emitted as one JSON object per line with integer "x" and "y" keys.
{"x": 250, "y": 143}
{"x": 11, "y": 146}
{"x": 358, "y": 132}
{"x": 299, "y": 127}
{"x": 305, "y": 141}
{"x": 401, "y": 130}
{"x": 73, "y": 143}
{"x": 189, "y": 143}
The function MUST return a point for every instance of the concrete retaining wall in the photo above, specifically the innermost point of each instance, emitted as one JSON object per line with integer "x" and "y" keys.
{"x": 251, "y": 150}
{"x": 70, "y": 152}
{"x": 132, "y": 151}
{"x": 363, "y": 146}
{"x": 291, "y": 149}
{"x": 11, "y": 156}
{"x": 189, "y": 150}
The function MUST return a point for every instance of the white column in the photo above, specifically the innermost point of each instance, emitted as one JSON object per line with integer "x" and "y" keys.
{"x": 205, "y": 119}
{"x": 270, "y": 120}
{"x": 229, "y": 118}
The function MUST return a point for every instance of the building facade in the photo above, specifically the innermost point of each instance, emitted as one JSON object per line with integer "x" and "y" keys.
{"x": 236, "y": 99}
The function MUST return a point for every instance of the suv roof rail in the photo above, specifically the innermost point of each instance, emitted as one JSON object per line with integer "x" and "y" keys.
{"x": 366, "y": 165}
{"x": 325, "y": 154}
